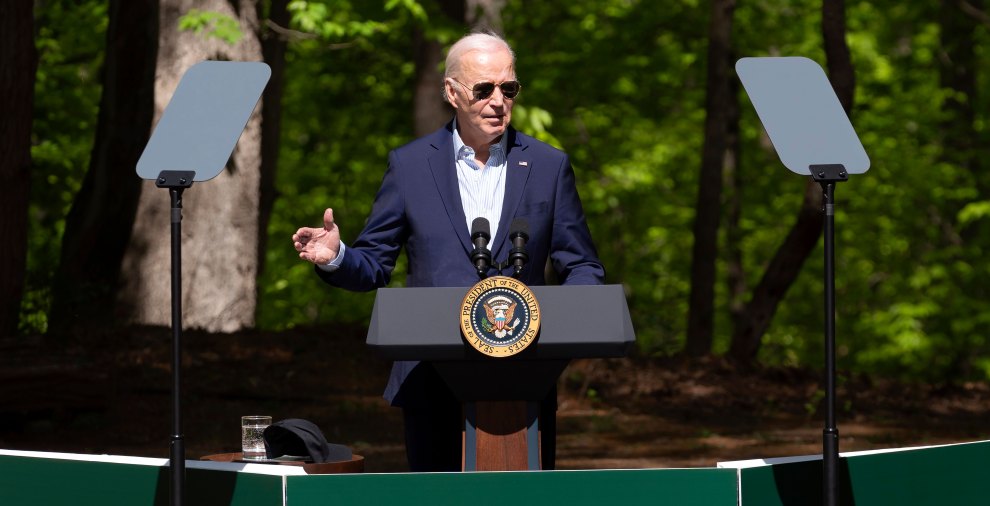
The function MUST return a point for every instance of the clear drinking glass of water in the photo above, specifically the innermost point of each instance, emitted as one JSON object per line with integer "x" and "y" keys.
{"x": 252, "y": 440}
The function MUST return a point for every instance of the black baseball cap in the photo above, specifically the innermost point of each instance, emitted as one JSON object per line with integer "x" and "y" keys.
{"x": 302, "y": 438}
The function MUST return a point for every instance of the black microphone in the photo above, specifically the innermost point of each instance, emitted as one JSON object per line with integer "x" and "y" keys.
{"x": 518, "y": 234}
{"x": 481, "y": 233}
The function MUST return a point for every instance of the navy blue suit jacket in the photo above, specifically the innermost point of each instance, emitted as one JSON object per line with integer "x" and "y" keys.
{"x": 419, "y": 206}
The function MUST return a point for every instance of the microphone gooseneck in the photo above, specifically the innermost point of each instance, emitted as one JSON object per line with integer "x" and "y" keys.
{"x": 519, "y": 235}
{"x": 481, "y": 256}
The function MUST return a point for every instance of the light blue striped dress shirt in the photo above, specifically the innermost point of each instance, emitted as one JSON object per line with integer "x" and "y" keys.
{"x": 482, "y": 188}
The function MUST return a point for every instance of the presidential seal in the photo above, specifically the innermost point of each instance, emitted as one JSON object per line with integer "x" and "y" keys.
{"x": 500, "y": 316}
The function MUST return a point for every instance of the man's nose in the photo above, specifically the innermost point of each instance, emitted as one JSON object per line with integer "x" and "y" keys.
{"x": 497, "y": 100}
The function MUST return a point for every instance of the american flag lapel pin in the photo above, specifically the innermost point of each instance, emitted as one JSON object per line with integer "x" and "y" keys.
{"x": 524, "y": 164}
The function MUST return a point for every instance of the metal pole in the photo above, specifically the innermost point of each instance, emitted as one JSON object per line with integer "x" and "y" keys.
{"x": 830, "y": 436}
{"x": 177, "y": 454}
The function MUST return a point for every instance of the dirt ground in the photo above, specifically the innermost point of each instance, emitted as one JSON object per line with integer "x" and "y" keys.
{"x": 113, "y": 395}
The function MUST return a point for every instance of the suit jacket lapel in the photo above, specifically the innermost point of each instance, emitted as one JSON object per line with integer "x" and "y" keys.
{"x": 445, "y": 175}
{"x": 517, "y": 169}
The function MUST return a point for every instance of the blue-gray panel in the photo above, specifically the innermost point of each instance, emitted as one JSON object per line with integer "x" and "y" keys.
{"x": 204, "y": 119}
{"x": 801, "y": 114}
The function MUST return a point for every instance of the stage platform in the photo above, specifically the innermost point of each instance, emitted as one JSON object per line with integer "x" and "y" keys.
{"x": 938, "y": 475}
{"x": 930, "y": 475}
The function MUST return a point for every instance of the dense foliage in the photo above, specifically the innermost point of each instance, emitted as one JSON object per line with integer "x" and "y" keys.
{"x": 619, "y": 85}
{"x": 70, "y": 39}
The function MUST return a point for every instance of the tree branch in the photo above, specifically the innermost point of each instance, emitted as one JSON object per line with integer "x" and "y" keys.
{"x": 974, "y": 12}
{"x": 290, "y": 35}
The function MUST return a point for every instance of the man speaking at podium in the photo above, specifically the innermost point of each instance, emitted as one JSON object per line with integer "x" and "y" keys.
{"x": 434, "y": 188}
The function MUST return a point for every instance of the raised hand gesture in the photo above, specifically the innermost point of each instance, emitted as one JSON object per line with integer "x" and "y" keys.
{"x": 318, "y": 245}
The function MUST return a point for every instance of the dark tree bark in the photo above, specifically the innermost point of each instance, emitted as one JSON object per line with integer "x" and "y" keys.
{"x": 220, "y": 217}
{"x": 786, "y": 264}
{"x": 430, "y": 110}
{"x": 701, "y": 310}
{"x": 957, "y": 72}
{"x": 736, "y": 273}
{"x": 485, "y": 15}
{"x": 960, "y": 142}
{"x": 837, "y": 57}
{"x": 18, "y": 63}
{"x": 780, "y": 273}
{"x": 98, "y": 227}
{"x": 273, "y": 51}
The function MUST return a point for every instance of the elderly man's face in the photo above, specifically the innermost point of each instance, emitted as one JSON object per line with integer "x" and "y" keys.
{"x": 481, "y": 121}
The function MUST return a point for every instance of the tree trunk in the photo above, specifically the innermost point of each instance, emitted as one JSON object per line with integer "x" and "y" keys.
{"x": 837, "y": 57}
{"x": 98, "y": 227}
{"x": 273, "y": 49}
{"x": 786, "y": 264}
{"x": 18, "y": 63}
{"x": 220, "y": 217}
{"x": 485, "y": 15}
{"x": 735, "y": 272}
{"x": 957, "y": 64}
{"x": 779, "y": 275}
{"x": 430, "y": 110}
{"x": 960, "y": 141}
{"x": 701, "y": 312}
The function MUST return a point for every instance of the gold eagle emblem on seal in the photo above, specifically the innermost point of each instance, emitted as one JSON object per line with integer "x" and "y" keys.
{"x": 500, "y": 316}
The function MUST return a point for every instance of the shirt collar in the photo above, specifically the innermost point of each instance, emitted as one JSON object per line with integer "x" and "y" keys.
{"x": 462, "y": 150}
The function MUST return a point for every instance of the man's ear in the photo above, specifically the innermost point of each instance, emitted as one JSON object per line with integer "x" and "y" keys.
{"x": 449, "y": 93}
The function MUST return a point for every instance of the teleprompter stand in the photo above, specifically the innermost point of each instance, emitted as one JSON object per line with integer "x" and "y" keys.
{"x": 176, "y": 181}
{"x": 812, "y": 136}
{"x": 828, "y": 176}
{"x": 198, "y": 131}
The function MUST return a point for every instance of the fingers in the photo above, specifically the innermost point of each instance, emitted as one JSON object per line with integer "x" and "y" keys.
{"x": 315, "y": 258}
{"x": 311, "y": 242}
{"x": 301, "y": 237}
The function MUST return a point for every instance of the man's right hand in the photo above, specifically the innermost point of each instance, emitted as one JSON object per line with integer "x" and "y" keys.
{"x": 318, "y": 245}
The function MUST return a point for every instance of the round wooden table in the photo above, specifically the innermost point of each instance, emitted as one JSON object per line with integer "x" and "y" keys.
{"x": 355, "y": 465}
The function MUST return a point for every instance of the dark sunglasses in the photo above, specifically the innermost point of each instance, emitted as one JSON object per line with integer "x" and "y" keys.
{"x": 485, "y": 89}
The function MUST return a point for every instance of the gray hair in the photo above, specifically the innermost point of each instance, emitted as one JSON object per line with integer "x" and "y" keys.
{"x": 474, "y": 42}
{"x": 482, "y": 41}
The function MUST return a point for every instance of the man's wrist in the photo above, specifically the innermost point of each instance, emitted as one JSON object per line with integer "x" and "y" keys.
{"x": 335, "y": 263}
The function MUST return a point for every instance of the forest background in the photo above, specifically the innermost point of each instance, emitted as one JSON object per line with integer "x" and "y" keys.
{"x": 716, "y": 244}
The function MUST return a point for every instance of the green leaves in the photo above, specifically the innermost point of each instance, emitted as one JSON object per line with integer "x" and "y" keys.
{"x": 535, "y": 122}
{"x": 411, "y": 6}
{"x": 618, "y": 85}
{"x": 973, "y": 211}
{"x": 70, "y": 38}
{"x": 211, "y": 24}
{"x": 333, "y": 20}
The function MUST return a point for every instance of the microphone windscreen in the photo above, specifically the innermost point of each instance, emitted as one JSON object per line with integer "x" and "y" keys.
{"x": 480, "y": 226}
{"x": 519, "y": 226}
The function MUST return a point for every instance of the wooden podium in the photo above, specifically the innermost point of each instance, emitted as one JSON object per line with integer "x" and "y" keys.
{"x": 501, "y": 395}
